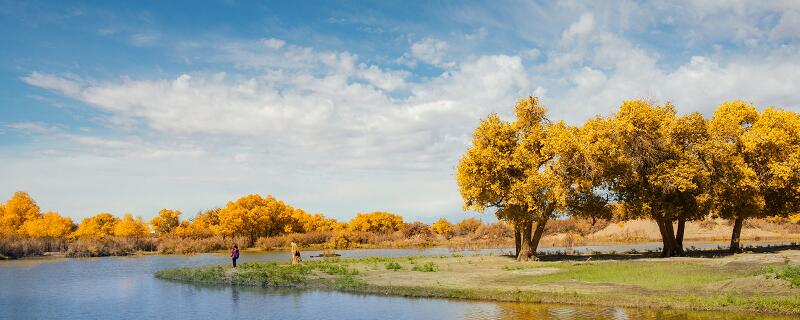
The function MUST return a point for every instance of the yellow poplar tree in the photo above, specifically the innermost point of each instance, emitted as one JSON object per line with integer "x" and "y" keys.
{"x": 98, "y": 225}
{"x": 508, "y": 168}
{"x": 18, "y": 209}
{"x": 128, "y": 226}
{"x": 165, "y": 221}
{"x": 756, "y": 163}
{"x": 377, "y": 222}
{"x": 50, "y": 225}
{"x": 442, "y": 227}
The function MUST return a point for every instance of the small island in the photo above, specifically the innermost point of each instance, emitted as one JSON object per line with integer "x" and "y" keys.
{"x": 767, "y": 280}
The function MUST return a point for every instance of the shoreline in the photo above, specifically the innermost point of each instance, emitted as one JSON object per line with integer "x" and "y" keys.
{"x": 547, "y": 249}
{"x": 741, "y": 283}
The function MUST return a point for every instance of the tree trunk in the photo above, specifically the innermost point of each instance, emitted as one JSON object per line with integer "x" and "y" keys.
{"x": 525, "y": 252}
{"x": 736, "y": 236}
{"x": 677, "y": 251}
{"x": 668, "y": 249}
{"x": 537, "y": 234}
{"x": 679, "y": 234}
{"x": 517, "y": 239}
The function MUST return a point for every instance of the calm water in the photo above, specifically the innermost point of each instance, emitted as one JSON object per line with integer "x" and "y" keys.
{"x": 124, "y": 288}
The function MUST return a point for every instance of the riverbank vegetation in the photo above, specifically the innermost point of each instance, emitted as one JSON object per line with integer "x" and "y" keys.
{"x": 644, "y": 162}
{"x": 764, "y": 282}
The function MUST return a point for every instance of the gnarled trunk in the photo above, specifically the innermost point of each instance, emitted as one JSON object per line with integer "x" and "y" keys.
{"x": 737, "y": 235}
{"x": 537, "y": 234}
{"x": 517, "y": 240}
{"x": 679, "y": 234}
{"x": 667, "y": 237}
{"x": 525, "y": 251}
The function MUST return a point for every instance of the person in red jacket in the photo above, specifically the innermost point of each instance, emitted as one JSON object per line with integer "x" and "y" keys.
{"x": 234, "y": 254}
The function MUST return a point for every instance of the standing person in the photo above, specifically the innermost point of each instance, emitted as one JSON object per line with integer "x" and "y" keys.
{"x": 234, "y": 254}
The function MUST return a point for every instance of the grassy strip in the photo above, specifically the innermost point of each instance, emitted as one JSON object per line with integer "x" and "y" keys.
{"x": 719, "y": 302}
{"x": 651, "y": 284}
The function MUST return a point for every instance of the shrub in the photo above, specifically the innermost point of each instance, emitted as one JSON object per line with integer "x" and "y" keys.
{"x": 427, "y": 267}
{"x": 15, "y": 247}
{"x": 179, "y": 245}
{"x": 416, "y": 229}
{"x": 349, "y": 239}
{"x": 394, "y": 266}
{"x": 467, "y": 226}
{"x": 108, "y": 246}
{"x": 493, "y": 232}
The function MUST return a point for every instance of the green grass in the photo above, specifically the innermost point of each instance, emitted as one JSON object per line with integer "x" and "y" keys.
{"x": 426, "y": 267}
{"x": 394, "y": 266}
{"x": 787, "y": 272}
{"x": 645, "y": 274}
{"x": 261, "y": 274}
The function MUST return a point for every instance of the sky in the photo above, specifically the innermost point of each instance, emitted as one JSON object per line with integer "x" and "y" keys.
{"x": 341, "y": 107}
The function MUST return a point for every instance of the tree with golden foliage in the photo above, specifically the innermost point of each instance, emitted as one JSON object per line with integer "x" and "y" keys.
{"x": 98, "y": 225}
{"x": 128, "y": 226}
{"x": 509, "y": 168}
{"x": 165, "y": 221}
{"x": 442, "y": 227}
{"x": 755, "y": 159}
{"x": 377, "y": 222}
{"x": 254, "y": 216}
{"x": 51, "y": 225}
{"x": 659, "y": 172}
{"x": 16, "y": 211}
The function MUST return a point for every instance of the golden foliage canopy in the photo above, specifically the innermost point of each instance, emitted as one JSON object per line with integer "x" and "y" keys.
{"x": 378, "y": 222}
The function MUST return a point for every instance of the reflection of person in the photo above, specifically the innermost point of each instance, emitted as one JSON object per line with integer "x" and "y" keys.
{"x": 295, "y": 254}
{"x": 234, "y": 254}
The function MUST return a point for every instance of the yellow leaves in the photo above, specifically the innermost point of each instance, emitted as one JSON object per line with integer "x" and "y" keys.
{"x": 99, "y": 225}
{"x": 378, "y": 222}
{"x": 127, "y": 226}
{"x": 442, "y": 227}
{"x": 165, "y": 221}
{"x": 731, "y": 120}
{"x": 50, "y": 225}
{"x": 16, "y": 211}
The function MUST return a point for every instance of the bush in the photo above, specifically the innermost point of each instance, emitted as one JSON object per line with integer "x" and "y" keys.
{"x": 108, "y": 246}
{"x": 394, "y": 266}
{"x": 467, "y": 226}
{"x": 301, "y": 239}
{"x": 427, "y": 267}
{"x": 416, "y": 229}
{"x": 180, "y": 245}
{"x": 350, "y": 239}
{"x": 580, "y": 226}
{"x": 14, "y": 247}
{"x": 495, "y": 232}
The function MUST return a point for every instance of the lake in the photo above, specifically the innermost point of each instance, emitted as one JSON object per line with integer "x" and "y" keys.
{"x": 125, "y": 288}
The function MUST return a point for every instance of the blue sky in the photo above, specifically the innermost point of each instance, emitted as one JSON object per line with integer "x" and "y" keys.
{"x": 341, "y": 107}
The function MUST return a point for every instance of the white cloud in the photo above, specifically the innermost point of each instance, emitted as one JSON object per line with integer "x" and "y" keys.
{"x": 62, "y": 85}
{"x": 580, "y": 29}
{"x": 430, "y": 51}
{"x": 273, "y": 43}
